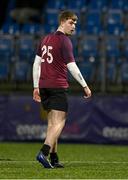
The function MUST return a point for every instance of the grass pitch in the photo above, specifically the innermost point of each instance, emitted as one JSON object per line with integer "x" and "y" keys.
{"x": 82, "y": 161}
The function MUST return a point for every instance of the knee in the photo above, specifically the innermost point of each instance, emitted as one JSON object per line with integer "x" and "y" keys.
{"x": 57, "y": 123}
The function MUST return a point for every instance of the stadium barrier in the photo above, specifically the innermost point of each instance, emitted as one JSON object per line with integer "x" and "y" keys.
{"x": 100, "y": 120}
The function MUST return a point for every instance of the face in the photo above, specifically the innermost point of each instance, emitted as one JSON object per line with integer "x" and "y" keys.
{"x": 69, "y": 26}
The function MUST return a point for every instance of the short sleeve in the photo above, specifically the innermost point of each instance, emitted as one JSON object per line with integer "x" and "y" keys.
{"x": 67, "y": 51}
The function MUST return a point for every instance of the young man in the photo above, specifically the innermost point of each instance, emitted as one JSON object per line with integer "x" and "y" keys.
{"x": 54, "y": 56}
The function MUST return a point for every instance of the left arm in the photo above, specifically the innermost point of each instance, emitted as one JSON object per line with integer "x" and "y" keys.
{"x": 74, "y": 70}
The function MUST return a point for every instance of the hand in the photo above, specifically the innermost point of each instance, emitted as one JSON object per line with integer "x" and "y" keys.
{"x": 87, "y": 92}
{"x": 36, "y": 95}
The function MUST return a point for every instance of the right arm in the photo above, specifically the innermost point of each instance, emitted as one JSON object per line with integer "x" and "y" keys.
{"x": 36, "y": 76}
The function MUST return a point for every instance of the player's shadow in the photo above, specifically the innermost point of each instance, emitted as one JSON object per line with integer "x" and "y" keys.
{"x": 76, "y": 164}
{"x": 5, "y": 159}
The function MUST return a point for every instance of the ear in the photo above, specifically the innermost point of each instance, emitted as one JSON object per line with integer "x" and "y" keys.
{"x": 62, "y": 22}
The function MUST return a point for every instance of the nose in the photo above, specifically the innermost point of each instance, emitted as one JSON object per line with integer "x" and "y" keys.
{"x": 73, "y": 26}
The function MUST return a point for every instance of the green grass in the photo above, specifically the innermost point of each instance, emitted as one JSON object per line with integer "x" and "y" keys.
{"x": 17, "y": 161}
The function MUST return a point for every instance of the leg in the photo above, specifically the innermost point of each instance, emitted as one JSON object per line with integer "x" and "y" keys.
{"x": 54, "y": 159}
{"x": 60, "y": 123}
{"x": 56, "y": 122}
{"x": 53, "y": 98}
{"x": 54, "y": 148}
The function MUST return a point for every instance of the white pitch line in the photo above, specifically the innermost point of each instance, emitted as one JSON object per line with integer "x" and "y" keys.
{"x": 97, "y": 162}
{"x": 70, "y": 162}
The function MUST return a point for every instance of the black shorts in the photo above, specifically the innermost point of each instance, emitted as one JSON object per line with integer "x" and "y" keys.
{"x": 54, "y": 98}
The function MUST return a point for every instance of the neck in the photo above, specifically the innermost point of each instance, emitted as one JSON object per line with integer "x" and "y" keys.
{"x": 60, "y": 29}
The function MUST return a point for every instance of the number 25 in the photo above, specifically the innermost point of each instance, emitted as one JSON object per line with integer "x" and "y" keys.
{"x": 46, "y": 50}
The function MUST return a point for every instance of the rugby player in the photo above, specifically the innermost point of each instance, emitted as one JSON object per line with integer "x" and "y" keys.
{"x": 53, "y": 58}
